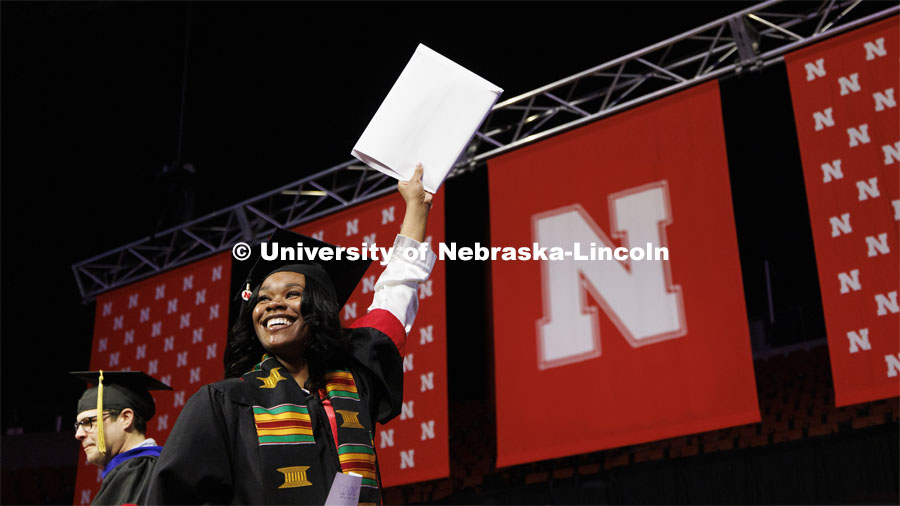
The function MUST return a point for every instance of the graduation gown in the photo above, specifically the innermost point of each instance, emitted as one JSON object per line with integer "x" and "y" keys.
{"x": 126, "y": 481}
{"x": 261, "y": 439}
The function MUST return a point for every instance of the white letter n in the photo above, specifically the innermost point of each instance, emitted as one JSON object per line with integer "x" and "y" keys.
{"x": 569, "y": 331}
{"x": 859, "y": 340}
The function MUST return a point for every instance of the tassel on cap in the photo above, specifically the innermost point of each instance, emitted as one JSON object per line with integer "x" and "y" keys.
{"x": 101, "y": 439}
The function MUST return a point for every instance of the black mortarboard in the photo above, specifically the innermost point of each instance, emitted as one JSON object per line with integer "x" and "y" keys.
{"x": 338, "y": 277}
{"x": 117, "y": 390}
{"x": 121, "y": 389}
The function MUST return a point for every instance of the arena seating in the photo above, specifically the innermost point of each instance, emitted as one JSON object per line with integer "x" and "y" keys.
{"x": 796, "y": 403}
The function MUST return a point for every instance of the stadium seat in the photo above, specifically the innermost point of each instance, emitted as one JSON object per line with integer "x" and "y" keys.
{"x": 684, "y": 451}
{"x": 616, "y": 459}
{"x": 800, "y": 421}
{"x": 760, "y": 440}
{"x": 563, "y": 473}
{"x": 787, "y": 435}
{"x": 588, "y": 469}
{"x": 769, "y": 428}
{"x": 712, "y": 436}
{"x": 822, "y": 429}
{"x": 654, "y": 452}
{"x": 841, "y": 415}
{"x": 747, "y": 431}
{"x": 537, "y": 477}
{"x": 725, "y": 444}
{"x": 882, "y": 410}
{"x": 443, "y": 489}
{"x": 678, "y": 442}
{"x": 862, "y": 422}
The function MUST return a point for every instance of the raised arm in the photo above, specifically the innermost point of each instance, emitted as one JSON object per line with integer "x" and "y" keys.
{"x": 396, "y": 291}
{"x": 395, "y": 304}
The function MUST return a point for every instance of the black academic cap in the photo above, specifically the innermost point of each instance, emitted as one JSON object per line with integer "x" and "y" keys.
{"x": 121, "y": 389}
{"x": 339, "y": 277}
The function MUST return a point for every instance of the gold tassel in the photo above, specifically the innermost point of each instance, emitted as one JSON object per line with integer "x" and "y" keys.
{"x": 101, "y": 440}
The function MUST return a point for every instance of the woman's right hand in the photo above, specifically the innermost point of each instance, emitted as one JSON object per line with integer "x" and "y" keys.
{"x": 418, "y": 203}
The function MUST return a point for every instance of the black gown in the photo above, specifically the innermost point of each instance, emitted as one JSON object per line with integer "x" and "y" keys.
{"x": 219, "y": 452}
{"x": 127, "y": 483}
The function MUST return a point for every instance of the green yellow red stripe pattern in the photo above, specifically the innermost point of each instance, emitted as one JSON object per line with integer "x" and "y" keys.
{"x": 340, "y": 385}
{"x": 359, "y": 459}
{"x": 284, "y": 424}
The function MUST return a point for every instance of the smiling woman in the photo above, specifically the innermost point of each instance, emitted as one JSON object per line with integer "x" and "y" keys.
{"x": 293, "y": 317}
{"x": 304, "y": 394}
{"x": 277, "y": 317}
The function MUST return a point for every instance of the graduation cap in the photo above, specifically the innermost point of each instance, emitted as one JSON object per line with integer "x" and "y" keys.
{"x": 338, "y": 277}
{"x": 118, "y": 390}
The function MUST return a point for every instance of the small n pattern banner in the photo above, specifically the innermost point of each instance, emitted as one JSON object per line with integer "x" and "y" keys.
{"x": 844, "y": 92}
{"x": 623, "y": 349}
{"x": 414, "y": 446}
{"x": 172, "y": 326}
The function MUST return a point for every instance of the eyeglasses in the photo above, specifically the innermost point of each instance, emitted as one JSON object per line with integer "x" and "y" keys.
{"x": 87, "y": 424}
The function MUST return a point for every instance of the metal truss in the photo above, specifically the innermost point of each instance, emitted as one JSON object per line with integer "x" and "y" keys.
{"x": 748, "y": 40}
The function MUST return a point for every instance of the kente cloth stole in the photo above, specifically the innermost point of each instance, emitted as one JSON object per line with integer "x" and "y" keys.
{"x": 288, "y": 421}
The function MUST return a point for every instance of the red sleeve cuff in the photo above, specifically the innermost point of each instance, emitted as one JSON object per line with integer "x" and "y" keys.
{"x": 383, "y": 321}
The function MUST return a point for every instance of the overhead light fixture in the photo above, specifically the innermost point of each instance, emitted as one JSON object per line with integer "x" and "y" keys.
{"x": 306, "y": 193}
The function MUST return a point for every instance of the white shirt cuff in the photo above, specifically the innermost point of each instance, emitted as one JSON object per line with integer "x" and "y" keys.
{"x": 397, "y": 289}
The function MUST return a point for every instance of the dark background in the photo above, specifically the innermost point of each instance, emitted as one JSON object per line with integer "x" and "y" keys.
{"x": 91, "y": 97}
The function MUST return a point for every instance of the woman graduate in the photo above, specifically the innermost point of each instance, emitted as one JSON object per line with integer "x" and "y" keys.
{"x": 278, "y": 432}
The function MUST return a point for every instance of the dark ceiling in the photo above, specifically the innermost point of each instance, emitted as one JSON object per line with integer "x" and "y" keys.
{"x": 92, "y": 95}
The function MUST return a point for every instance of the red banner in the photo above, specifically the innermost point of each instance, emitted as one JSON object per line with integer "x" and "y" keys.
{"x": 172, "y": 326}
{"x": 593, "y": 354}
{"x": 845, "y": 104}
{"x": 414, "y": 446}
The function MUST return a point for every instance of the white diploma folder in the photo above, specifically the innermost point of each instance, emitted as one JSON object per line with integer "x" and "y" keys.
{"x": 429, "y": 116}
{"x": 344, "y": 490}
